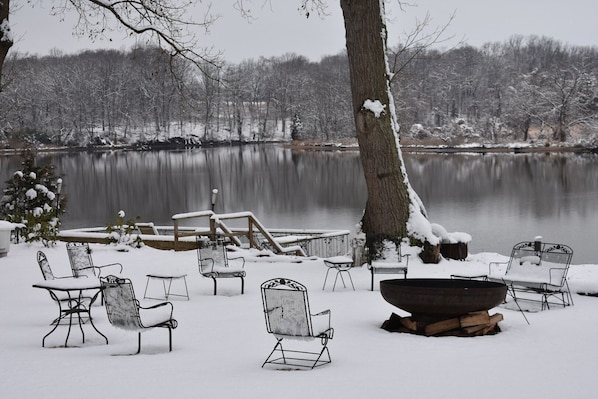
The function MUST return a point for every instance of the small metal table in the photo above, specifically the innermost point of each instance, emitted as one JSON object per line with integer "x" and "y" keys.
{"x": 166, "y": 279}
{"x": 74, "y": 302}
{"x": 342, "y": 264}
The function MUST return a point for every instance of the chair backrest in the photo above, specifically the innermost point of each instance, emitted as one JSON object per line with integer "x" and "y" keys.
{"x": 286, "y": 308}
{"x": 390, "y": 252}
{"x": 122, "y": 307}
{"x": 211, "y": 254}
{"x": 80, "y": 258}
{"x": 44, "y": 265}
{"x": 540, "y": 261}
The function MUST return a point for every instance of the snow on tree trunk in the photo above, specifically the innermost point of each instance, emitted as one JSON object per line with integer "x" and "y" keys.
{"x": 393, "y": 210}
{"x": 6, "y": 41}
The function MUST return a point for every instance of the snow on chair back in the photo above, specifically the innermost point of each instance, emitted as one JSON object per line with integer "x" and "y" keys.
{"x": 44, "y": 265}
{"x": 540, "y": 262}
{"x": 80, "y": 258}
{"x": 121, "y": 306}
{"x": 82, "y": 262}
{"x": 286, "y": 309}
{"x": 125, "y": 312}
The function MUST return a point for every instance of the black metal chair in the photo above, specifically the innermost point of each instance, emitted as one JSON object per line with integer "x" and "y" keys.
{"x": 214, "y": 262}
{"x": 286, "y": 309}
{"x": 125, "y": 312}
{"x": 67, "y": 302}
{"x": 82, "y": 262}
{"x": 399, "y": 265}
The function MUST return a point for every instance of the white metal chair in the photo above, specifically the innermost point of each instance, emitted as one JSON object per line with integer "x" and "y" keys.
{"x": 125, "y": 312}
{"x": 286, "y": 309}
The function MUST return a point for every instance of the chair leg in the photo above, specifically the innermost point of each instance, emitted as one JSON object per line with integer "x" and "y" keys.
{"x": 242, "y": 285}
{"x": 278, "y": 344}
{"x": 138, "y": 343}
{"x": 213, "y": 278}
{"x": 326, "y": 278}
{"x": 170, "y": 339}
{"x": 372, "y": 279}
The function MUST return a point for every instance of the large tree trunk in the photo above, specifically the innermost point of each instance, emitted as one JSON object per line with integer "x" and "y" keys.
{"x": 387, "y": 210}
{"x": 5, "y": 37}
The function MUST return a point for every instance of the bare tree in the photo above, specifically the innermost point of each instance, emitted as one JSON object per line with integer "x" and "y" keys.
{"x": 168, "y": 24}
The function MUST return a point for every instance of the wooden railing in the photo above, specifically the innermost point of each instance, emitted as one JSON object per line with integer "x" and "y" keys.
{"x": 216, "y": 227}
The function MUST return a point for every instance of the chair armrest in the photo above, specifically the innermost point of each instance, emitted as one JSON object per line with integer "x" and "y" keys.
{"x": 159, "y": 319}
{"x": 562, "y": 271}
{"x": 63, "y": 277}
{"x": 206, "y": 265}
{"x": 324, "y": 313}
{"x": 237, "y": 258}
{"x": 319, "y": 328}
{"x": 491, "y": 264}
{"x": 109, "y": 265}
{"x": 158, "y": 305}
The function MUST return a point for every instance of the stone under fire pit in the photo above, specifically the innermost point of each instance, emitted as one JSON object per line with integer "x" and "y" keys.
{"x": 444, "y": 306}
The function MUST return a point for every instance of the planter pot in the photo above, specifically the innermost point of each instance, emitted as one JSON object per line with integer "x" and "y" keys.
{"x": 5, "y": 229}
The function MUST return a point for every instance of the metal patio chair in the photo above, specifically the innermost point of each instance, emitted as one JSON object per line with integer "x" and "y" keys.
{"x": 214, "y": 262}
{"x": 400, "y": 265}
{"x": 67, "y": 301}
{"x": 125, "y": 312}
{"x": 82, "y": 262}
{"x": 286, "y": 309}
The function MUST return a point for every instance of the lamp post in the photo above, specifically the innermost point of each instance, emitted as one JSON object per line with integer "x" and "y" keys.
{"x": 214, "y": 194}
{"x": 58, "y": 190}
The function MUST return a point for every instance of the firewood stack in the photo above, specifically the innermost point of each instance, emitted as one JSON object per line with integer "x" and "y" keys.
{"x": 468, "y": 325}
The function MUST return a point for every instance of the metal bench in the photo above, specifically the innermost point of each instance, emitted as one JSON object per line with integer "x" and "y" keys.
{"x": 539, "y": 268}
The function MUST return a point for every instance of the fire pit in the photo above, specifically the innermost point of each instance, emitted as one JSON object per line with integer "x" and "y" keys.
{"x": 442, "y": 305}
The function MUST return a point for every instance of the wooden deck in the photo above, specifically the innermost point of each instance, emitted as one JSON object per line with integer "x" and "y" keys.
{"x": 323, "y": 243}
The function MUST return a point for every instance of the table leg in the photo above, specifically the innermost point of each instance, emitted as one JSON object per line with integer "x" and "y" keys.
{"x": 91, "y": 318}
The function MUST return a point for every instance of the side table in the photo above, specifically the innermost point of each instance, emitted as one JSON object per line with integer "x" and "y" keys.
{"x": 167, "y": 279}
{"x": 342, "y": 264}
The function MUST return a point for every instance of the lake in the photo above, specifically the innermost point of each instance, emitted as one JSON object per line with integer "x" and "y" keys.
{"x": 500, "y": 199}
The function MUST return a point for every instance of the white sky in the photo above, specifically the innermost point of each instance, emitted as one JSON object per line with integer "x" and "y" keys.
{"x": 282, "y": 29}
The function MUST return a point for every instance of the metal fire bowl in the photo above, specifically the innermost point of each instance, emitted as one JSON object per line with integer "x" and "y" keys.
{"x": 442, "y": 297}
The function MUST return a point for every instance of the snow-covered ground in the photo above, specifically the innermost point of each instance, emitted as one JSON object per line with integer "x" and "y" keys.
{"x": 221, "y": 340}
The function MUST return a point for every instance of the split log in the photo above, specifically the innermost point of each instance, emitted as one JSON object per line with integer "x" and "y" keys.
{"x": 408, "y": 323}
{"x": 474, "y": 319}
{"x": 442, "y": 326}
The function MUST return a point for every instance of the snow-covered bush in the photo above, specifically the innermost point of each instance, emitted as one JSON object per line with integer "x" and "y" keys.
{"x": 31, "y": 198}
{"x": 121, "y": 231}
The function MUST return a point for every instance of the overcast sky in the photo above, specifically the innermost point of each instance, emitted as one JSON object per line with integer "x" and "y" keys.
{"x": 281, "y": 29}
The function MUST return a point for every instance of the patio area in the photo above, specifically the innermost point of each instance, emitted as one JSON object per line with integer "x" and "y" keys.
{"x": 221, "y": 340}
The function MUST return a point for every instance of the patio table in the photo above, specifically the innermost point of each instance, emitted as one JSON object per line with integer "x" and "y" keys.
{"x": 75, "y": 306}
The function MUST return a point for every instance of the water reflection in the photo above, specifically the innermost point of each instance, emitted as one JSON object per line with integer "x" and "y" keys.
{"x": 498, "y": 198}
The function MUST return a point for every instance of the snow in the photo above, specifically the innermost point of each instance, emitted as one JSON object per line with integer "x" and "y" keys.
{"x": 5, "y": 31}
{"x": 221, "y": 341}
{"x": 375, "y": 107}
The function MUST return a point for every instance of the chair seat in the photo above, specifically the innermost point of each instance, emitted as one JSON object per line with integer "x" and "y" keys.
{"x": 388, "y": 267}
{"x": 154, "y": 317}
{"x": 222, "y": 270}
{"x": 336, "y": 260}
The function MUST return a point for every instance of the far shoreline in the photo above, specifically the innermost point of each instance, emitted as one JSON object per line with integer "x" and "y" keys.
{"x": 342, "y": 145}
